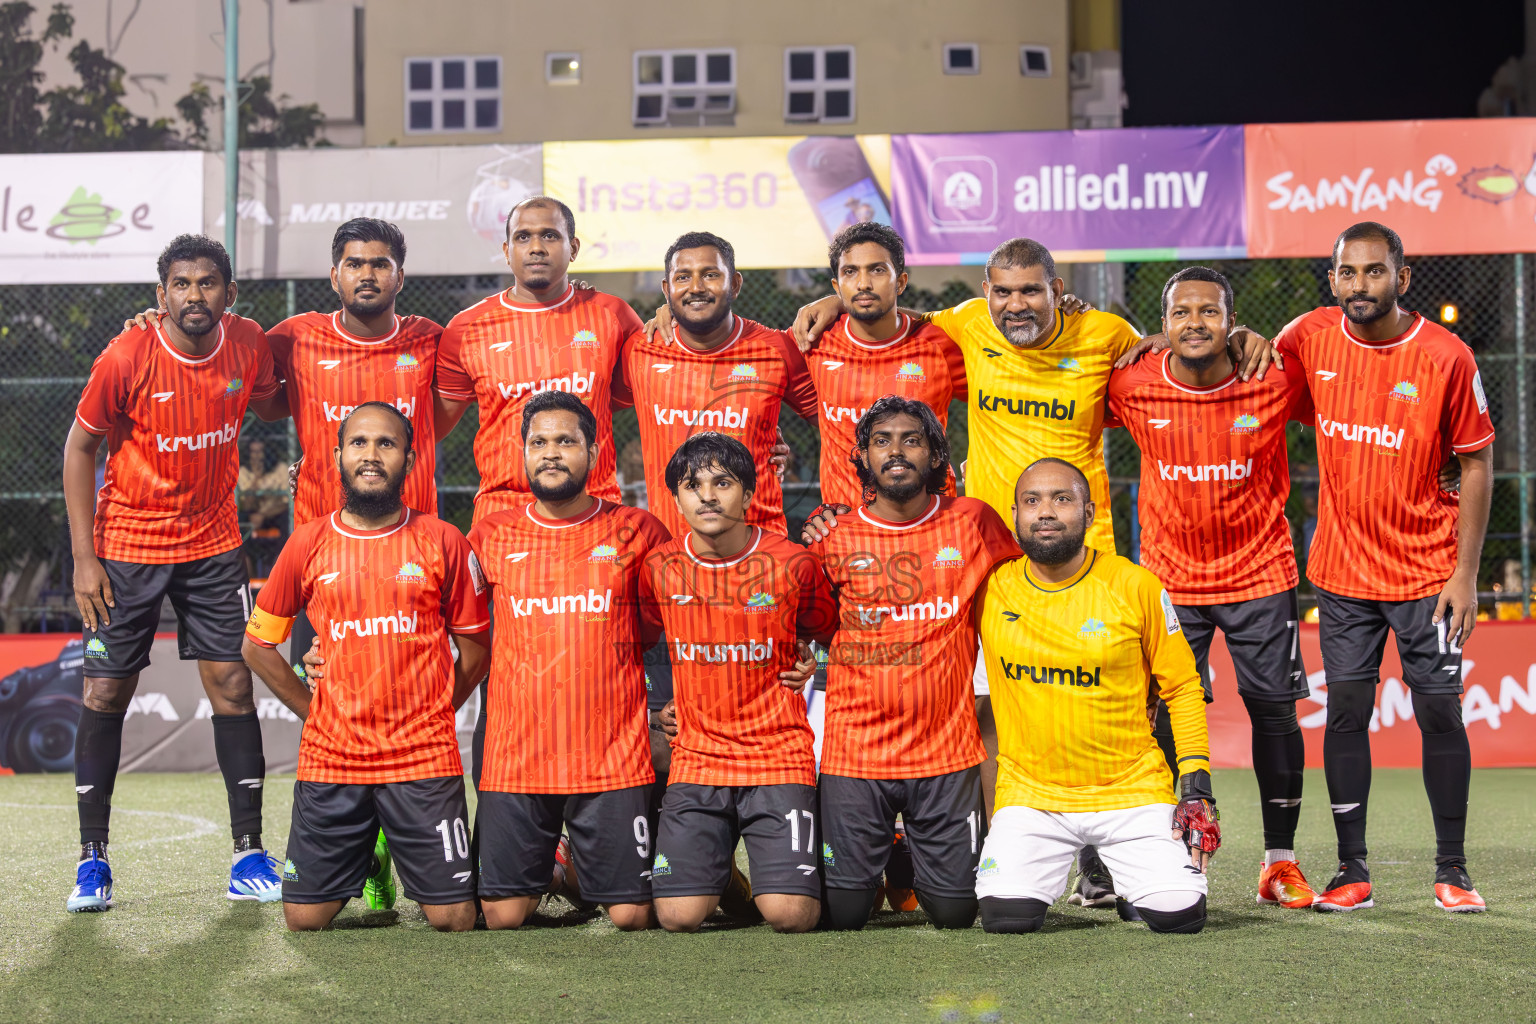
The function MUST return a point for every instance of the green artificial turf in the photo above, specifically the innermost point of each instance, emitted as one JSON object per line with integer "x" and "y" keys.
{"x": 173, "y": 949}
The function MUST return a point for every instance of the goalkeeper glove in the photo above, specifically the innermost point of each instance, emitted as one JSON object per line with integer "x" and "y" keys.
{"x": 1196, "y": 817}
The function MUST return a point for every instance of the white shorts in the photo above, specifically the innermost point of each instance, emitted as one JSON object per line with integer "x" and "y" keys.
{"x": 1029, "y": 853}
{"x": 979, "y": 675}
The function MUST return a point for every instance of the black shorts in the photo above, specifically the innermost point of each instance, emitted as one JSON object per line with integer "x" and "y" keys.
{"x": 945, "y": 820}
{"x": 212, "y": 599}
{"x": 1352, "y": 633}
{"x": 696, "y": 839}
{"x": 610, "y": 836}
{"x": 330, "y": 844}
{"x": 1264, "y": 638}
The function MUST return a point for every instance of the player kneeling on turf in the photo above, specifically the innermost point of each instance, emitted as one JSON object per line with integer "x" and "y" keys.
{"x": 1076, "y": 640}
{"x": 384, "y": 587}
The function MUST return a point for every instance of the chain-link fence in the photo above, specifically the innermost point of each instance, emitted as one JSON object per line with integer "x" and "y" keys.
{"x": 49, "y": 335}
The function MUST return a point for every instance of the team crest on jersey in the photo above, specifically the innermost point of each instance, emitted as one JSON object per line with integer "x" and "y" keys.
{"x": 410, "y": 572}
{"x": 1405, "y": 391}
{"x": 761, "y": 602}
{"x": 233, "y": 388}
{"x": 584, "y": 339}
{"x": 1070, "y": 364}
{"x": 911, "y": 371}
{"x": 987, "y": 868}
{"x": 603, "y": 553}
{"x": 827, "y": 857}
{"x": 1247, "y": 423}
{"x": 948, "y": 558}
{"x": 1093, "y": 628}
{"x": 94, "y": 648}
{"x": 406, "y": 361}
{"x": 662, "y": 866}
{"x": 743, "y": 371}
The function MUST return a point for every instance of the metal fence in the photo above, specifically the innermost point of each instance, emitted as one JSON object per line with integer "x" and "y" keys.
{"x": 49, "y": 335}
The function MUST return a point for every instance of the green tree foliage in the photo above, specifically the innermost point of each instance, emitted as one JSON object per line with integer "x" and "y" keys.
{"x": 265, "y": 122}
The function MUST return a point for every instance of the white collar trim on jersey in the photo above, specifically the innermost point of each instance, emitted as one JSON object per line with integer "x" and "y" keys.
{"x": 1193, "y": 390}
{"x": 909, "y": 524}
{"x": 180, "y": 357}
{"x": 1379, "y": 345}
{"x": 741, "y": 328}
{"x": 336, "y": 525}
{"x": 714, "y": 564}
{"x": 354, "y": 339}
{"x": 570, "y": 290}
{"x": 901, "y": 335}
{"x": 597, "y": 506}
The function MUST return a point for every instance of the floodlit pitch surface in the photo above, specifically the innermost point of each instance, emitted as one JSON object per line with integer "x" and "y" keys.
{"x": 174, "y": 949}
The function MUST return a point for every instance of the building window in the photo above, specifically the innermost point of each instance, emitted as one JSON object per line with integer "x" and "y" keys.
{"x": 562, "y": 68}
{"x": 1035, "y": 61}
{"x": 962, "y": 59}
{"x": 818, "y": 84}
{"x": 452, "y": 94}
{"x": 685, "y": 87}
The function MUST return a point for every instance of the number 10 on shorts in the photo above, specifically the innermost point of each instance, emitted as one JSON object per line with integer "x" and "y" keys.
{"x": 455, "y": 838}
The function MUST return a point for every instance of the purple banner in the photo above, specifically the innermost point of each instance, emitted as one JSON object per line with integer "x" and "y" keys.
{"x": 1088, "y": 195}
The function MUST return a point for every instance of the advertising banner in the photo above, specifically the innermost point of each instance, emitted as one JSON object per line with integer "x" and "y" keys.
{"x": 94, "y": 218}
{"x": 776, "y": 200}
{"x": 1089, "y": 196}
{"x": 450, "y": 201}
{"x": 1447, "y": 187}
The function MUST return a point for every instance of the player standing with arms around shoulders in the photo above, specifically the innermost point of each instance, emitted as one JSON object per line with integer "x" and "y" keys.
{"x": 736, "y": 603}
{"x": 169, "y": 399}
{"x": 1078, "y": 639}
{"x": 386, "y": 586}
{"x": 901, "y": 734}
{"x": 1394, "y": 395}
{"x": 1214, "y": 479}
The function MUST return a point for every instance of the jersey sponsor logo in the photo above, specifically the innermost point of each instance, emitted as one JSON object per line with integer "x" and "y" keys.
{"x": 1381, "y": 437}
{"x": 1070, "y": 364}
{"x": 1046, "y": 675}
{"x": 94, "y": 648}
{"x": 476, "y": 574}
{"x": 987, "y": 868}
{"x": 1093, "y": 628}
{"x": 884, "y": 654}
{"x": 406, "y": 361}
{"x": 661, "y": 866}
{"x": 575, "y": 383}
{"x": 761, "y": 602}
{"x": 328, "y": 364}
{"x": 1405, "y": 391}
{"x": 745, "y": 652}
{"x": 398, "y": 623}
{"x": 1170, "y": 614}
{"x": 724, "y": 417}
{"x": 584, "y": 339}
{"x": 590, "y": 603}
{"x": 233, "y": 388}
{"x": 604, "y": 553}
{"x": 1327, "y": 374}
{"x": 290, "y": 870}
{"x": 1045, "y": 409}
{"x": 827, "y": 856}
{"x": 327, "y": 577}
{"x": 832, "y": 364}
{"x": 1230, "y": 473}
{"x": 1159, "y": 424}
{"x": 918, "y": 611}
{"x": 1477, "y": 391}
{"x": 1247, "y": 423}
{"x": 842, "y": 413}
{"x": 193, "y": 443}
{"x": 743, "y": 371}
{"x": 163, "y": 396}
{"x": 948, "y": 557}
{"x": 338, "y": 412}
{"x": 911, "y": 371}
{"x": 410, "y": 572}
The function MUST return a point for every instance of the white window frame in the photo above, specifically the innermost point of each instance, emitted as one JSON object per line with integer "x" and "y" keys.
{"x": 676, "y": 97}
{"x": 974, "y": 69}
{"x": 469, "y": 94}
{"x": 565, "y": 55}
{"x": 821, "y": 85}
{"x": 1024, "y": 52}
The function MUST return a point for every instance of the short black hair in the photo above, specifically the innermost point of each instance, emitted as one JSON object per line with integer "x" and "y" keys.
{"x": 1205, "y": 274}
{"x": 1052, "y": 460}
{"x": 565, "y": 213}
{"x": 699, "y": 240}
{"x": 561, "y": 401}
{"x": 1021, "y": 253}
{"x": 368, "y": 229}
{"x": 868, "y": 231}
{"x": 711, "y": 448}
{"x": 194, "y": 247}
{"x": 895, "y": 405}
{"x": 1370, "y": 229}
{"x": 405, "y": 423}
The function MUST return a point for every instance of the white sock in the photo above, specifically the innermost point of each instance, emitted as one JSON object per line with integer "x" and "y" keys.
{"x": 240, "y": 854}
{"x": 1273, "y": 857}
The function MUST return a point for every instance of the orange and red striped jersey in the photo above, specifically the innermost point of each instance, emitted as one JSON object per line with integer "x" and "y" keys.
{"x": 1214, "y": 478}
{"x": 731, "y": 626}
{"x": 736, "y": 389}
{"x": 501, "y": 353}
{"x": 171, "y": 424}
{"x": 566, "y": 703}
{"x": 918, "y": 362}
{"x": 383, "y": 603}
{"x": 900, "y": 700}
{"x": 1388, "y": 415}
{"x": 328, "y": 372}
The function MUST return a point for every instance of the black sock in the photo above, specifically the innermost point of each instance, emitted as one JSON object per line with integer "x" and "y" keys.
{"x": 1447, "y": 760}
{"x": 477, "y": 744}
{"x": 849, "y": 909}
{"x": 237, "y": 745}
{"x": 1162, "y": 731}
{"x": 98, "y": 748}
{"x": 1347, "y": 761}
{"x": 1279, "y": 755}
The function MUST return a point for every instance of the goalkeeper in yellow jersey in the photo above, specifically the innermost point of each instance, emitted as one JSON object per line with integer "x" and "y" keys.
{"x": 1080, "y": 643}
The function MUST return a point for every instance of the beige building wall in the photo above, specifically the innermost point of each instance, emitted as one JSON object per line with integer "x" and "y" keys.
{"x": 900, "y": 85}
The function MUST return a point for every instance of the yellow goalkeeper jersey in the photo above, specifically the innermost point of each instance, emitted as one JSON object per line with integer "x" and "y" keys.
{"x": 1033, "y": 403}
{"x": 1073, "y": 667}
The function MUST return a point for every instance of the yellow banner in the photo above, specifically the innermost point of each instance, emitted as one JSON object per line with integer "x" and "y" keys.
{"x": 778, "y": 200}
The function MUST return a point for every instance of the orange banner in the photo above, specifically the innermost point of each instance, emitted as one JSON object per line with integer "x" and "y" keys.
{"x": 1499, "y": 705}
{"x": 1447, "y": 187}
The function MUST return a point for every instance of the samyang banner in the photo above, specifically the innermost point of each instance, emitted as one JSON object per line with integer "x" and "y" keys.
{"x": 1089, "y": 196}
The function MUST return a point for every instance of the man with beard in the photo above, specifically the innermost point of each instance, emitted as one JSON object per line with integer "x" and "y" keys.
{"x": 386, "y": 585}
{"x": 1214, "y": 480}
{"x": 169, "y": 398}
{"x": 901, "y": 735}
{"x": 1077, "y": 638}
{"x": 1394, "y": 394}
